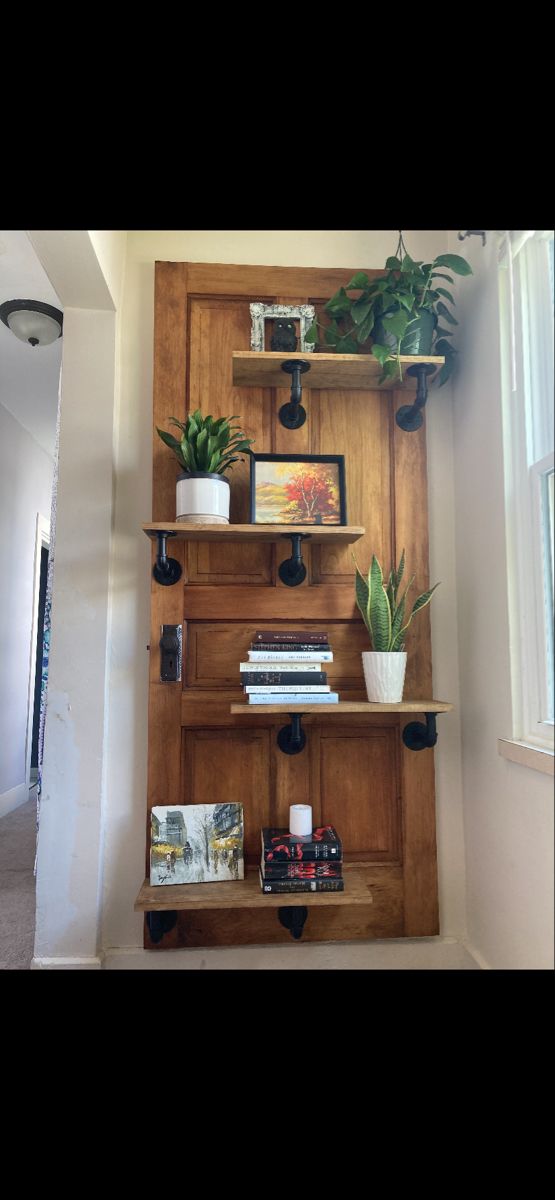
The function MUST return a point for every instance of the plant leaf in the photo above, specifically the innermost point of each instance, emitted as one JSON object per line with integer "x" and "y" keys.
{"x": 359, "y": 280}
{"x": 444, "y": 292}
{"x": 444, "y": 312}
{"x": 379, "y": 613}
{"x": 455, "y": 263}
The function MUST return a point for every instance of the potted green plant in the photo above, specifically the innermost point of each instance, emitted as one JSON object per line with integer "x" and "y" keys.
{"x": 205, "y": 450}
{"x": 404, "y": 311}
{"x": 383, "y": 613}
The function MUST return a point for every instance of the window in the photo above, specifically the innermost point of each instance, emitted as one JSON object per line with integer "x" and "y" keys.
{"x": 527, "y": 312}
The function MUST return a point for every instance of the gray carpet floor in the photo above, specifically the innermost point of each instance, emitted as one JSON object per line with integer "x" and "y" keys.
{"x": 17, "y": 887}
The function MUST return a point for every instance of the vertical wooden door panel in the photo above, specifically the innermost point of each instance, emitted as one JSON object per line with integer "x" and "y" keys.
{"x": 356, "y": 776}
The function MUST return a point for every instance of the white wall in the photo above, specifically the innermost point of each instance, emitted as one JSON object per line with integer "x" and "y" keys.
{"x": 130, "y": 590}
{"x": 25, "y": 489}
{"x": 508, "y": 808}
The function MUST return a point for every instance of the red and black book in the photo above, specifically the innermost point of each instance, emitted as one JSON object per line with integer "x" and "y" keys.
{"x": 317, "y": 678}
{"x": 301, "y": 885}
{"x": 288, "y": 635}
{"x": 278, "y": 845}
{"x": 301, "y": 870}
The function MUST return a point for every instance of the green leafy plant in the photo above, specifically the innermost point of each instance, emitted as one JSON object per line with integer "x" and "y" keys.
{"x": 382, "y": 611}
{"x": 205, "y": 444}
{"x": 389, "y": 309}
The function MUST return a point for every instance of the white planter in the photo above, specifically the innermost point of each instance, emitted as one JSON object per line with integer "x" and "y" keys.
{"x": 202, "y": 498}
{"x": 384, "y": 675}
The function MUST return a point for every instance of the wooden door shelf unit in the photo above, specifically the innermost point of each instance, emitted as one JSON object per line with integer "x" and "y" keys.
{"x": 292, "y": 571}
{"x": 292, "y": 739}
{"x": 334, "y": 371}
{"x": 357, "y": 771}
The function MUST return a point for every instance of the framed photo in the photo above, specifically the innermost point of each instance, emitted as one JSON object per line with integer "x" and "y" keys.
{"x": 298, "y": 489}
{"x": 196, "y": 843}
{"x": 284, "y": 317}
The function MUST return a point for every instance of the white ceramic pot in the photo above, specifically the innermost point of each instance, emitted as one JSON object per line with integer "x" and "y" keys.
{"x": 384, "y": 675}
{"x": 202, "y": 498}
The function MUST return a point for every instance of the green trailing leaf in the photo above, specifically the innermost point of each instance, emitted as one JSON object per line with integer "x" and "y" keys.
{"x": 443, "y": 311}
{"x": 444, "y": 292}
{"x": 455, "y": 263}
{"x": 382, "y": 353}
{"x": 392, "y": 263}
{"x": 360, "y": 280}
{"x": 361, "y": 309}
{"x": 311, "y": 334}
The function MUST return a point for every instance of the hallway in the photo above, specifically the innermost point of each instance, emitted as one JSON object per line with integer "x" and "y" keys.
{"x": 17, "y": 886}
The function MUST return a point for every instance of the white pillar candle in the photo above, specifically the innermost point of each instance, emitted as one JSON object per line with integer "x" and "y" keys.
{"x": 300, "y": 820}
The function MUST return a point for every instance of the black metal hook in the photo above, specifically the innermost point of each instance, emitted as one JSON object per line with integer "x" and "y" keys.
{"x": 291, "y": 738}
{"x": 418, "y": 736}
{"x": 473, "y": 233}
{"x": 293, "y": 415}
{"x": 292, "y": 570}
{"x": 165, "y": 570}
{"x": 409, "y": 416}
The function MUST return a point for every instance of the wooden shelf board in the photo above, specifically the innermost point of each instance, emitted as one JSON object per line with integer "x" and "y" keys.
{"x": 345, "y": 706}
{"x": 246, "y": 893}
{"x": 254, "y": 533}
{"x": 255, "y": 368}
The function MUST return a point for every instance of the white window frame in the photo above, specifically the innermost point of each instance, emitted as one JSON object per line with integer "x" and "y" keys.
{"x": 527, "y": 375}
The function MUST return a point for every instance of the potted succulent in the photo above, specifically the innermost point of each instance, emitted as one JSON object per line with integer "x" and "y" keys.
{"x": 383, "y": 613}
{"x": 205, "y": 450}
{"x": 403, "y": 312}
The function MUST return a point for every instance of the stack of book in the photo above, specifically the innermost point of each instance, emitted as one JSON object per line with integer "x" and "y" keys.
{"x": 308, "y": 864}
{"x": 285, "y": 667}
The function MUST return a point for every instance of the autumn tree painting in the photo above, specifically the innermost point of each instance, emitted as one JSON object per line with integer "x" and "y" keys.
{"x": 312, "y": 496}
{"x": 297, "y": 492}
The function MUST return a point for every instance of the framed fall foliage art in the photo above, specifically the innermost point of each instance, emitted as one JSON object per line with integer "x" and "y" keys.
{"x": 292, "y": 489}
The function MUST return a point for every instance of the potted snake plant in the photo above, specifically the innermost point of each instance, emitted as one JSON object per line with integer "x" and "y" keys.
{"x": 383, "y": 613}
{"x": 205, "y": 451}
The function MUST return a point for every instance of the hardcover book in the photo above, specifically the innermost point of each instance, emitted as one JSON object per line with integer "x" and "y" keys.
{"x": 290, "y": 646}
{"x": 301, "y": 870}
{"x": 301, "y": 885}
{"x": 264, "y": 667}
{"x": 276, "y": 689}
{"x": 196, "y": 843}
{"x": 288, "y": 635}
{"x": 283, "y": 678}
{"x": 267, "y": 697}
{"x": 284, "y": 656}
{"x": 278, "y": 845}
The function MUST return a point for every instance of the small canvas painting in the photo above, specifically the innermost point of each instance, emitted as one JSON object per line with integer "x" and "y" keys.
{"x": 290, "y": 490}
{"x": 196, "y": 843}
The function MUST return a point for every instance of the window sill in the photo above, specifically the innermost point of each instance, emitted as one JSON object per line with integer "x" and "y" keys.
{"x": 526, "y": 755}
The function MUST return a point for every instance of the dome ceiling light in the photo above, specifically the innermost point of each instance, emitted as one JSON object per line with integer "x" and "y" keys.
{"x": 32, "y": 321}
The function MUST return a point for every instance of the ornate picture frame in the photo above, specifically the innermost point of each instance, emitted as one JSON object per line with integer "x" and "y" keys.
{"x": 260, "y": 313}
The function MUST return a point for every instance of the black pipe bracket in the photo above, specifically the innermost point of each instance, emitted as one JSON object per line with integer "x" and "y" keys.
{"x": 292, "y": 571}
{"x": 293, "y": 917}
{"x": 409, "y": 417}
{"x": 160, "y": 923}
{"x": 165, "y": 570}
{"x": 417, "y": 736}
{"x": 293, "y": 415}
{"x": 291, "y": 738}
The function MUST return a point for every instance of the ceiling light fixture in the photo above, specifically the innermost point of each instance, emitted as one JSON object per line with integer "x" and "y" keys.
{"x": 32, "y": 321}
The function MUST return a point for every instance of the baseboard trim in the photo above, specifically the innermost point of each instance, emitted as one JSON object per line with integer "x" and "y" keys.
{"x": 66, "y": 964}
{"x": 406, "y": 954}
{"x": 475, "y": 954}
{"x": 11, "y": 800}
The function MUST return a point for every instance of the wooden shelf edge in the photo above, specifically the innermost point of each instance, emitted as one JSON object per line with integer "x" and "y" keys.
{"x": 345, "y": 706}
{"x": 246, "y": 893}
{"x": 254, "y": 368}
{"x": 253, "y": 533}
